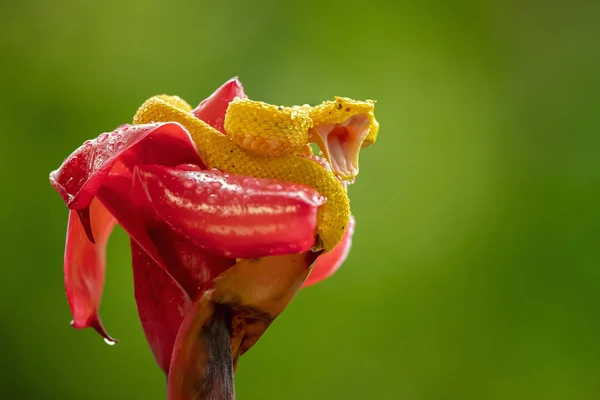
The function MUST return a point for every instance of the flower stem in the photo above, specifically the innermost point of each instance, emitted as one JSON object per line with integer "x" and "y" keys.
{"x": 217, "y": 382}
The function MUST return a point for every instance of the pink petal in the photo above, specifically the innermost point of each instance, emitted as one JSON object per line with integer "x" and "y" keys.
{"x": 231, "y": 215}
{"x": 328, "y": 263}
{"x": 83, "y": 172}
{"x": 161, "y": 304}
{"x": 84, "y": 266}
{"x": 212, "y": 110}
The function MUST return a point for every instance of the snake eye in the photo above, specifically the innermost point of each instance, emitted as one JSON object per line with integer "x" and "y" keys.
{"x": 341, "y": 143}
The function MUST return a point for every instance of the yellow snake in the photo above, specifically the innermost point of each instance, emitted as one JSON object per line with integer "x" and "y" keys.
{"x": 267, "y": 141}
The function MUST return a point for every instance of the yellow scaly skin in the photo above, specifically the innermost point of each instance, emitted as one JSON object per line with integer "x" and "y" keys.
{"x": 265, "y": 128}
{"x": 275, "y": 130}
{"x": 266, "y": 141}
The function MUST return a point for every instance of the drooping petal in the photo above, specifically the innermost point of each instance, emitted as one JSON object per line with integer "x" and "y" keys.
{"x": 328, "y": 263}
{"x": 84, "y": 266}
{"x": 231, "y": 215}
{"x": 212, "y": 109}
{"x": 161, "y": 304}
{"x": 84, "y": 171}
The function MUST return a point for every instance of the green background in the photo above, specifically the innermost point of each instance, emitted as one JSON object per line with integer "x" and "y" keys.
{"x": 475, "y": 270}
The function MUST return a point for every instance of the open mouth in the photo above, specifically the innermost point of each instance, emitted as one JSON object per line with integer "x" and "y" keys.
{"x": 341, "y": 143}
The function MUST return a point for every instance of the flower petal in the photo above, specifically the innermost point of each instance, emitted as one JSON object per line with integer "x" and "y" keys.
{"x": 83, "y": 172}
{"x": 84, "y": 266}
{"x": 328, "y": 263}
{"x": 212, "y": 109}
{"x": 161, "y": 304}
{"x": 80, "y": 178}
{"x": 168, "y": 269}
{"x": 189, "y": 265}
{"x": 231, "y": 215}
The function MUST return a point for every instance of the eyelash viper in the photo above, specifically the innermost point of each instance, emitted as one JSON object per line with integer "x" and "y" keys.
{"x": 268, "y": 141}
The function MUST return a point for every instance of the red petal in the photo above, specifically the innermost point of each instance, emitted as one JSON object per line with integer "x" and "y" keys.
{"x": 232, "y": 215}
{"x": 84, "y": 266}
{"x": 83, "y": 172}
{"x": 212, "y": 110}
{"x": 167, "y": 268}
{"x": 116, "y": 195}
{"x": 188, "y": 264}
{"x": 161, "y": 304}
{"x": 328, "y": 263}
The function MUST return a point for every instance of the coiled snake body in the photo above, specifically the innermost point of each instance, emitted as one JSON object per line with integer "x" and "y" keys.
{"x": 267, "y": 141}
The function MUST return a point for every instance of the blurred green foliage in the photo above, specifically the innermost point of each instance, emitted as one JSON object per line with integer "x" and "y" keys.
{"x": 475, "y": 267}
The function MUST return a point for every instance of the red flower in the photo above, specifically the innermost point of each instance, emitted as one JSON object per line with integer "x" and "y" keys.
{"x": 188, "y": 225}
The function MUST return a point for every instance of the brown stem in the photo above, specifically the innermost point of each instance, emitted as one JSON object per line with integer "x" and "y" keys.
{"x": 218, "y": 382}
{"x": 214, "y": 377}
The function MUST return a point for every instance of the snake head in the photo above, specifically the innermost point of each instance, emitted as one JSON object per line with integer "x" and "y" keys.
{"x": 341, "y": 128}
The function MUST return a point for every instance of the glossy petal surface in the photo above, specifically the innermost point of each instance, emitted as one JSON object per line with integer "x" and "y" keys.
{"x": 83, "y": 172}
{"x": 232, "y": 215}
{"x": 99, "y": 167}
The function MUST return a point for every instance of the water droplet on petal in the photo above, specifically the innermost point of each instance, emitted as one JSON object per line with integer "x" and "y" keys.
{"x": 189, "y": 183}
{"x": 102, "y": 137}
{"x": 109, "y": 342}
{"x": 120, "y": 145}
{"x": 216, "y": 185}
{"x": 212, "y": 198}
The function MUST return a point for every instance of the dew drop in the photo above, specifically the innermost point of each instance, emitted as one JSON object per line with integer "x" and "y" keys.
{"x": 189, "y": 183}
{"x": 212, "y": 198}
{"x": 120, "y": 145}
{"x": 216, "y": 185}
{"x": 102, "y": 137}
{"x": 109, "y": 342}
